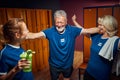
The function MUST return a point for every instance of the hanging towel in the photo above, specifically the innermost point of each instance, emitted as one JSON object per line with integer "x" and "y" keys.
{"x": 107, "y": 49}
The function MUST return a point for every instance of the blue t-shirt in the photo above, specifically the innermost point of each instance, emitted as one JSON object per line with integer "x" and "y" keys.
{"x": 9, "y": 57}
{"x": 62, "y": 46}
{"x": 99, "y": 67}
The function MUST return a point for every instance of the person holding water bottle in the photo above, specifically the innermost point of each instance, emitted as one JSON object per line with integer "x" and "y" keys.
{"x": 11, "y": 64}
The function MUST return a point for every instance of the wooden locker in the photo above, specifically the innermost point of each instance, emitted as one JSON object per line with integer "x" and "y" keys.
{"x": 3, "y": 17}
{"x": 13, "y": 13}
{"x": 89, "y": 21}
{"x": 44, "y": 21}
{"x": 38, "y": 20}
{"x": 31, "y": 23}
{"x": 50, "y": 18}
{"x": 3, "y": 20}
{"x": 39, "y": 43}
{"x": 45, "y": 25}
{"x": 116, "y": 14}
{"x": 104, "y": 11}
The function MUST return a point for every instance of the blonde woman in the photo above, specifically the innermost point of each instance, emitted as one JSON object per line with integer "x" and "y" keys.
{"x": 103, "y": 49}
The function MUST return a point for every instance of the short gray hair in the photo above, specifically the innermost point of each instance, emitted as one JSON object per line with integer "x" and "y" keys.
{"x": 60, "y": 13}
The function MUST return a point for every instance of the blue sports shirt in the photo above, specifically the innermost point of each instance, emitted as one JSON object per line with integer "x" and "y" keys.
{"x": 62, "y": 46}
{"x": 99, "y": 67}
{"x": 9, "y": 57}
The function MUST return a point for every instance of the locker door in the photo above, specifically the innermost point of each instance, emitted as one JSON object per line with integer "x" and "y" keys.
{"x": 31, "y": 23}
{"x": 39, "y": 42}
{"x": 3, "y": 20}
{"x": 116, "y": 14}
{"x": 45, "y": 25}
{"x": 14, "y": 13}
{"x": 3, "y": 17}
{"x": 89, "y": 21}
{"x": 49, "y": 18}
{"x": 44, "y": 21}
{"x": 104, "y": 11}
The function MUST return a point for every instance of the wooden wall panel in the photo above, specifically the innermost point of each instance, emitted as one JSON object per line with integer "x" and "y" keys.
{"x": 44, "y": 21}
{"x": 117, "y": 16}
{"x": 104, "y": 11}
{"x": 89, "y": 21}
{"x": 31, "y": 22}
{"x": 50, "y": 18}
{"x": 3, "y": 19}
{"x": 44, "y": 25}
{"x": 13, "y": 13}
{"x": 39, "y": 43}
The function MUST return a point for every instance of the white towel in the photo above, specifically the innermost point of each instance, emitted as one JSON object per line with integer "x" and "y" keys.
{"x": 107, "y": 49}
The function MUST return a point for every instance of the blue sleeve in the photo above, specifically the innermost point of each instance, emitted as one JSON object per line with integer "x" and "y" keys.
{"x": 76, "y": 31}
{"x": 47, "y": 32}
{"x": 3, "y": 65}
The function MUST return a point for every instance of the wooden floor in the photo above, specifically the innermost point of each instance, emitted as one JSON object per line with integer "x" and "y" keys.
{"x": 45, "y": 74}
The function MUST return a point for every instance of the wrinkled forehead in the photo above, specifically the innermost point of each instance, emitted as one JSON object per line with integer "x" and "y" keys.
{"x": 60, "y": 18}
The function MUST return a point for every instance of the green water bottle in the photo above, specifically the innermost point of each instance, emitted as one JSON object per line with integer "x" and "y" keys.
{"x": 27, "y": 55}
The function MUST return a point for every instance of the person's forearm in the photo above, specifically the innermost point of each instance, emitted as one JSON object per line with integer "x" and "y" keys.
{"x": 34, "y": 35}
{"x": 90, "y": 31}
{"x": 76, "y": 24}
{"x": 93, "y": 30}
{"x": 30, "y": 36}
{"x": 10, "y": 75}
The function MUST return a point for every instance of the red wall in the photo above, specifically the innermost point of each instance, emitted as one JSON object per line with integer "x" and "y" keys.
{"x": 76, "y": 7}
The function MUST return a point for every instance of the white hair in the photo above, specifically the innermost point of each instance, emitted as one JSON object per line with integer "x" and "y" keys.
{"x": 60, "y": 13}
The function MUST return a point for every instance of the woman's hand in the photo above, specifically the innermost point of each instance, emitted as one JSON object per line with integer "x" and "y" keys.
{"x": 22, "y": 63}
{"x": 74, "y": 18}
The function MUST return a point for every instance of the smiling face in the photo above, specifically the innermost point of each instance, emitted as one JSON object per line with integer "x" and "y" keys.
{"x": 102, "y": 28}
{"x": 60, "y": 18}
{"x": 60, "y": 23}
{"x": 108, "y": 25}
